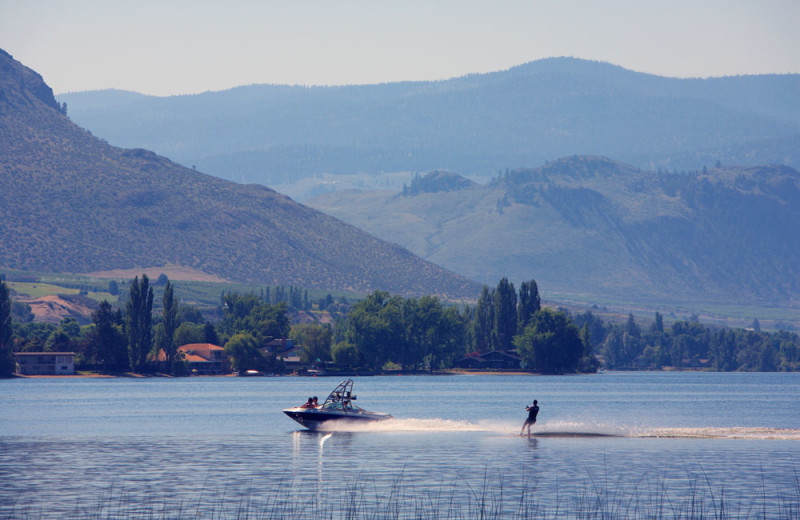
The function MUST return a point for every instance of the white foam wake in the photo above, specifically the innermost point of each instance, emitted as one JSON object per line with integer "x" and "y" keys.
{"x": 724, "y": 433}
{"x": 566, "y": 429}
{"x": 552, "y": 428}
{"x": 405, "y": 425}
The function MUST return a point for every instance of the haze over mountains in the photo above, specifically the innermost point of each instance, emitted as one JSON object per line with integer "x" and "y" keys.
{"x": 476, "y": 125}
{"x": 632, "y": 188}
{"x": 595, "y": 230}
{"x": 72, "y": 203}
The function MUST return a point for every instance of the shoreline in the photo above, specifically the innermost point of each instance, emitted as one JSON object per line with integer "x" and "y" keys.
{"x": 446, "y": 372}
{"x": 450, "y": 372}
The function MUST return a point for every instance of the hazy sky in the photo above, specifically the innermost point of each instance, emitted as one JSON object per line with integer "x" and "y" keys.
{"x": 166, "y": 47}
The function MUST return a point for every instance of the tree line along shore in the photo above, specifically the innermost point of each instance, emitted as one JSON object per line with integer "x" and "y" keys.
{"x": 384, "y": 332}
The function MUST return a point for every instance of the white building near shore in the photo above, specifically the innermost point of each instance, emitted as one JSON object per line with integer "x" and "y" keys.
{"x": 45, "y": 363}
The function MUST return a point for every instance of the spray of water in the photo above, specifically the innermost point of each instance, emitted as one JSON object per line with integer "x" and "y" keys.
{"x": 724, "y": 433}
{"x": 562, "y": 429}
{"x": 405, "y": 425}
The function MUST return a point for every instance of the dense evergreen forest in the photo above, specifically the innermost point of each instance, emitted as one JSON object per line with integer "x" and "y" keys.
{"x": 384, "y": 332}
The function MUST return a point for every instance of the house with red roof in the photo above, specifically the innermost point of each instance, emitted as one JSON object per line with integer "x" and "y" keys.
{"x": 203, "y": 358}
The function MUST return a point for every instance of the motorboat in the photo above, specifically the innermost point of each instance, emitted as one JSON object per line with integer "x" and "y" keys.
{"x": 336, "y": 409}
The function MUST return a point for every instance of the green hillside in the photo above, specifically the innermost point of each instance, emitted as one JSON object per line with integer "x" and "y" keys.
{"x": 72, "y": 203}
{"x": 594, "y": 230}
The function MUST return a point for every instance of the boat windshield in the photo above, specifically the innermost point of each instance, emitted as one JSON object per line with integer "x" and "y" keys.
{"x": 340, "y": 406}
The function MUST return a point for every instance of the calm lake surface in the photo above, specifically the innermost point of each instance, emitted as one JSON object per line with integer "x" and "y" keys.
{"x": 611, "y": 445}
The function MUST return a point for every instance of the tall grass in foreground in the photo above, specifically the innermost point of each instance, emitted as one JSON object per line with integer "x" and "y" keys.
{"x": 405, "y": 498}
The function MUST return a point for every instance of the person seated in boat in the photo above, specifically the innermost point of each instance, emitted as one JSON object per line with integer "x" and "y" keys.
{"x": 315, "y": 402}
{"x": 346, "y": 402}
{"x": 308, "y": 404}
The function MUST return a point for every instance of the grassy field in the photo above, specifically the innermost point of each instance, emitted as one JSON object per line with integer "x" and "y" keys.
{"x": 770, "y": 317}
{"x": 40, "y": 290}
{"x": 204, "y": 294}
{"x": 197, "y": 293}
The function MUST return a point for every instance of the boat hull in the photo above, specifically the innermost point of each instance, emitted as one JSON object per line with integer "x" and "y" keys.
{"x": 320, "y": 419}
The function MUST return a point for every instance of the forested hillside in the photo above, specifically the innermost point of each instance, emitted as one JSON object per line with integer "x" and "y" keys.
{"x": 70, "y": 202}
{"x": 592, "y": 229}
{"x": 475, "y": 125}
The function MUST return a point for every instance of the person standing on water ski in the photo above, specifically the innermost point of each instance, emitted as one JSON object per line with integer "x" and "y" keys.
{"x": 533, "y": 411}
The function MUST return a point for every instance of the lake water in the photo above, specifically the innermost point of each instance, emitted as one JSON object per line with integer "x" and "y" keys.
{"x": 611, "y": 445}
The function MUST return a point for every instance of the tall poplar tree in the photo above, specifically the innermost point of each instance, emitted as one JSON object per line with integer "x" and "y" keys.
{"x": 505, "y": 314}
{"x": 139, "y": 322}
{"x": 5, "y": 316}
{"x": 171, "y": 322}
{"x": 7, "y": 363}
{"x": 484, "y": 320}
{"x": 529, "y": 303}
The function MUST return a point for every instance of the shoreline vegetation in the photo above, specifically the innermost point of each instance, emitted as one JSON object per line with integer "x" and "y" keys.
{"x": 130, "y": 375}
{"x": 264, "y": 334}
{"x": 597, "y": 497}
{"x": 437, "y": 373}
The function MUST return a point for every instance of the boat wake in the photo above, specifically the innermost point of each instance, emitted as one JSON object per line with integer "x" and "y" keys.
{"x": 403, "y": 425}
{"x": 724, "y": 433}
{"x": 565, "y": 429}
{"x": 558, "y": 429}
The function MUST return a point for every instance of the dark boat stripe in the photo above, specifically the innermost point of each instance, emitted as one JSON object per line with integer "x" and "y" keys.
{"x": 310, "y": 419}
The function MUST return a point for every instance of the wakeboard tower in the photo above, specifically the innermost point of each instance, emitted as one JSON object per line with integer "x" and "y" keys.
{"x": 337, "y": 408}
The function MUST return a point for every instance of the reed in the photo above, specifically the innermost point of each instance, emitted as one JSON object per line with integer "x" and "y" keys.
{"x": 408, "y": 498}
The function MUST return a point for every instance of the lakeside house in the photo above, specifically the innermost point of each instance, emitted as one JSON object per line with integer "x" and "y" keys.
{"x": 203, "y": 358}
{"x": 45, "y": 363}
{"x": 494, "y": 360}
{"x": 285, "y": 350}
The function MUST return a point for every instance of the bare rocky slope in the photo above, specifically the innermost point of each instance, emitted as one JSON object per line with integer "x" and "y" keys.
{"x": 70, "y": 202}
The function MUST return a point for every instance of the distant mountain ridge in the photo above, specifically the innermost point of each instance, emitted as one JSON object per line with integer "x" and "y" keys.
{"x": 72, "y": 203}
{"x": 476, "y": 125}
{"x": 593, "y": 229}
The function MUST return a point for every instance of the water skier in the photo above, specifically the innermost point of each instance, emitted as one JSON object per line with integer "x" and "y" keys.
{"x": 533, "y": 411}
